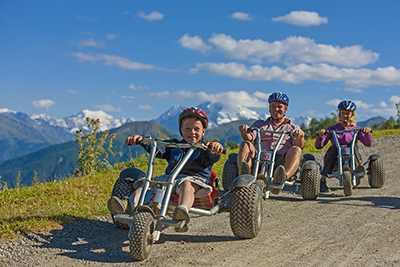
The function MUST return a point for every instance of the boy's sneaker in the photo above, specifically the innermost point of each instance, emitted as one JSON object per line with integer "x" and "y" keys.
{"x": 323, "y": 187}
{"x": 181, "y": 214}
{"x": 130, "y": 207}
{"x": 244, "y": 168}
{"x": 115, "y": 205}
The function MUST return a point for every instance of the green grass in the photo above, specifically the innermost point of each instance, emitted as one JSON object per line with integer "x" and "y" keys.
{"x": 51, "y": 205}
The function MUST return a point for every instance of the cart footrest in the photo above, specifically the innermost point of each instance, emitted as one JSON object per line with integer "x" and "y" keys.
{"x": 166, "y": 222}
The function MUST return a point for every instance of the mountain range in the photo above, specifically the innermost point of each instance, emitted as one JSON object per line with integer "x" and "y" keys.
{"x": 44, "y": 144}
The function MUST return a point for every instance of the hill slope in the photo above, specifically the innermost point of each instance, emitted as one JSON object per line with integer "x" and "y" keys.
{"x": 59, "y": 161}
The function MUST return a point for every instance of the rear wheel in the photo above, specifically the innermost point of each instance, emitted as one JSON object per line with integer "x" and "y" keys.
{"x": 347, "y": 183}
{"x": 376, "y": 177}
{"x": 229, "y": 172}
{"x": 141, "y": 236}
{"x": 122, "y": 189}
{"x": 246, "y": 211}
{"x": 310, "y": 182}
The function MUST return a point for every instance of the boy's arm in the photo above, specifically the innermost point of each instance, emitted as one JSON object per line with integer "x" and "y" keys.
{"x": 215, "y": 151}
{"x": 133, "y": 140}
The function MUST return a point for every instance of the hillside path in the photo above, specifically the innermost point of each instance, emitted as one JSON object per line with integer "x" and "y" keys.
{"x": 360, "y": 230}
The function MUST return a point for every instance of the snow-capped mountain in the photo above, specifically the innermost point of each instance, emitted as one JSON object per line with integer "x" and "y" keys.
{"x": 78, "y": 121}
{"x": 218, "y": 114}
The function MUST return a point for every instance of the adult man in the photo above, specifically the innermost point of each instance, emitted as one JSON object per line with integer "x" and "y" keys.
{"x": 289, "y": 153}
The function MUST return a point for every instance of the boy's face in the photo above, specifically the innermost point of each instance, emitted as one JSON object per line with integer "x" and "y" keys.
{"x": 192, "y": 130}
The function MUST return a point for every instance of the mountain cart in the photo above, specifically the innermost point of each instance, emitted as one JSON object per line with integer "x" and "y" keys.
{"x": 307, "y": 175}
{"x": 153, "y": 213}
{"x": 346, "y": 170}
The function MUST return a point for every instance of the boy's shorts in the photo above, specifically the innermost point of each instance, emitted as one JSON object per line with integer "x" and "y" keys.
{"x": 204, "y": 190}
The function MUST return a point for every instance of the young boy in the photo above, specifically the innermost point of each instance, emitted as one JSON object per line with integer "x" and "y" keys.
{"x": 193, "y": 180}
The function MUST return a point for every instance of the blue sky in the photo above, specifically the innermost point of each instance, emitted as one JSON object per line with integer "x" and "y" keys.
{"x": 136, "y": 59}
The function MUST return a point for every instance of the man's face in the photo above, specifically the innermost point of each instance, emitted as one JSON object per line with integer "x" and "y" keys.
{"x": 192, "y": 130}
{"x": 277, "y": 109}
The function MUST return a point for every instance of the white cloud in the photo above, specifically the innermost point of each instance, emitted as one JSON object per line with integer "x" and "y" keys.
{"x": 241, "y": 16}
{"x": 384, "y": 112}
{"x": 292, "y": 49}
{"x": 383, "y": 104}
{"x": 134, "y": 87}
{"x": 394, "y": 99}
{"x": 359, "y": 103}
{"x": 302, "y": 18}
{"x": 111, "y": 36}
{"x": 92, "y": 43}
{"x": 128, "y": 96}
{"x": 111, "y": 60}
{"x": 106, "y": 107}
{"x": 194, "y": 43}
{"x": 232, "y": 98}
{"x": 362, "y": 105}
{"x": 262, "y": 95}
{"x": 145, "y": 107}
{"x": 302, "y": 72}
{"x": 314, "y": 113}
{"x": 70, "y": 91}
{"x": 43, "y": 104}
{"x": 154, "y": 15}
{"x": 86, "y": 18}
{"x": 353, "y": 90}
{"x": 333, "y": 102}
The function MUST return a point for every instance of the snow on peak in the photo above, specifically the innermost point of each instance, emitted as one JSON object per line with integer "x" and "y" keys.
{"x": 218, "y": 113}
{"x": 6, "y": 110}
{"x": 78, "y": 121}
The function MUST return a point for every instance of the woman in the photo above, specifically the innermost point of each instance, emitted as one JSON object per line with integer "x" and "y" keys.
{"x": 346, "y": 118}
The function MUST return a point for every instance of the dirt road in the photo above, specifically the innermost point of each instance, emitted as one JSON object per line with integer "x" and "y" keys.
{"x": 334, "y": 230}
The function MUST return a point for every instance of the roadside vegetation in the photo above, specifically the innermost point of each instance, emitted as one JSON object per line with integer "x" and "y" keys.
{"x": 51, "y": 205}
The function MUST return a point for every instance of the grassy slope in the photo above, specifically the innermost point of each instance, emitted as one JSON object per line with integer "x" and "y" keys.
{"x": 53, "y": 204}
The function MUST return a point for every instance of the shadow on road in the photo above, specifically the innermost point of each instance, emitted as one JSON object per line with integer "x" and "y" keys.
{"x": 102, "y": 242}
{"x": 376, "y": 201}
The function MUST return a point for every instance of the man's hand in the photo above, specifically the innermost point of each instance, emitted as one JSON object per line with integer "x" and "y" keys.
{"x": 298, "y": 134}
{"x": 245, "y": 132}
{"x": 215, "y": 147}
{"x": 133, "y": 140}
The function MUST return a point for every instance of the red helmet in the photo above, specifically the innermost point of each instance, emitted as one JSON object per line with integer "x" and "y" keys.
{"x": 194, "y": 113}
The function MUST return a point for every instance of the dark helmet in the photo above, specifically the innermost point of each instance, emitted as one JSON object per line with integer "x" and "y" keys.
{"x": 194, "y": 113}
{"x": 280, "y": 97}
{"x": 347, "y": 105}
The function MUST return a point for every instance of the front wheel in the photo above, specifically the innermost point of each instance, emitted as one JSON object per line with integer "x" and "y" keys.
{"x": 376, "y": 177}
{"x": 141, "y": 235}
{"x": 246, "y": 211}
{"x": 347, "y": 183}
{"x": 310, "y": 182}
